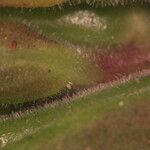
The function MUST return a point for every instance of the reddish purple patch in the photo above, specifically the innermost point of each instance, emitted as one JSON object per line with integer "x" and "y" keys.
{"x": 13, "y": 44}
{"x": 122, "y": 61}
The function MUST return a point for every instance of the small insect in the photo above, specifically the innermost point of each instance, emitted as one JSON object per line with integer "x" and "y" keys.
{"x": 70, "y": 90}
